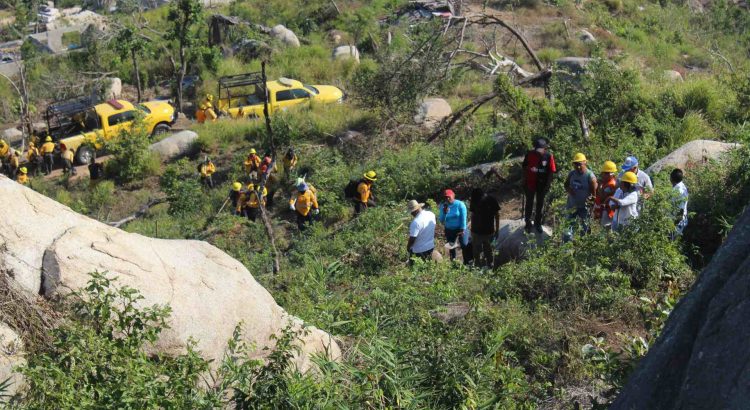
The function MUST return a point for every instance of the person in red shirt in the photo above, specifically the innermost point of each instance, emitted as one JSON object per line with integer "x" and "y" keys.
{"x": 538, "y": 170}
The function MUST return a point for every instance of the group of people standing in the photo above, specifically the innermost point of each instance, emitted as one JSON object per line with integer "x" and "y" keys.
{"x": 472, "y": 228}
{"x": 615, "y": 199}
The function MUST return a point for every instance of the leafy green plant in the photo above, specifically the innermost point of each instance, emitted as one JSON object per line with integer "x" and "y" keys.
{"x": 131, "y": 158}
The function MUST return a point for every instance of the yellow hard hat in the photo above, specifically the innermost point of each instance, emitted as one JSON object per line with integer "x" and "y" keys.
{"x": 629, "y": 177}
{"x": 236, "y": 186}
{"x": 48, "y": 139}
{"x": 209, "y": 97}
{"x": 17, "y": 152}
{"x": 609, "y": 166}
{"x": 23, "y": 170}
{"x": 251, "y": 186}
{"x": 252, "y": 151}
{"x": 579, "y": 157}
{"x": 371, "y": 176}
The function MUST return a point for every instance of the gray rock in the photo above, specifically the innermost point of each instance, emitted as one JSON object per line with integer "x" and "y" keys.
{"x": 451, "y": 312}
{"x": 432, "y": 111}
{"x": 673, "y": 75}
{"x": 285, "y": 35}
{"x": 11, "y": 356}
{"x": 177, "y": 145}
{"x": 693, "y": 153}
{"x": 573, "y": 65}
{"x": 52, "y": 252}
{"x": 512, "y": 241}
{"x": 346, "y": 52}
{"x": 350, "y": 137}
{"x": 336, "y": 36}
{"x": 113, "y": 90}
{"x": 700, "y": 360}
{"x": 12, "y": 135}
{"x": 586, "y": 36}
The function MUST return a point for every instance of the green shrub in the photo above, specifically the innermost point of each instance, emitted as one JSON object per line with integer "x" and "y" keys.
{"x": 100, "y": 196}
{"x": 131, "y": 158}
{"x": 183, "y": 190}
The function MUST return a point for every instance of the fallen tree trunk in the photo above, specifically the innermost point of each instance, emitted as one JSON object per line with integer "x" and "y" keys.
{"x": 142, "y": 211}
{"x": 448, "y": 122}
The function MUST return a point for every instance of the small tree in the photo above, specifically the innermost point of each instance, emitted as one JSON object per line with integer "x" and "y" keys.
{"x": 131, "y": 157}
{"x": 129, "y": 44}
{"x": 183, "y": 16}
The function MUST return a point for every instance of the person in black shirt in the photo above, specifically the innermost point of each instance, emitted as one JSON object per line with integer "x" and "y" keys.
{"x": 485, "y": 221}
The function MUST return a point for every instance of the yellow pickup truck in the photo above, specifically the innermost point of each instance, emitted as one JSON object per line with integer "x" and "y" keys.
{"x": 81, "y": 124}
{"x": 241, "y": 96}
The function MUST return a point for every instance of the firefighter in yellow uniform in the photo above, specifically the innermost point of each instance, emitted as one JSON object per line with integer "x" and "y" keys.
{"x": 207, "y": 169}
{"x": 67, "y": 156}
{"x": 23, "y": 177}
{"x": 290, "y": 161}
{"x": 34, "y": 158}
{"x": 48, "y": 151}
{"x": 365, "y": 198}
{"x": 252, "y": 164}
{"x": 305, "y": 205}
{"x": 253, "y": 200}
{"x": 14, "y": 162}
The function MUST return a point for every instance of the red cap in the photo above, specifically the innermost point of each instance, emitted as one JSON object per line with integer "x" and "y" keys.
{"x": 449, "y": 193}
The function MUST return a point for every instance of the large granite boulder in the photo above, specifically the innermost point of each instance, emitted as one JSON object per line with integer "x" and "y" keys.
{"x": 432, "y": 111}
{"x": 51, "y": 250}
{"x": 11, "y": 356}
{"x": 285, "y": 35}
{"x": 346, "y": 53}
{"x": 176, "y": 145}
{"x": 693, "y": 153}
{"x": 512, "y": 241}
{"x": 700, "y": 360}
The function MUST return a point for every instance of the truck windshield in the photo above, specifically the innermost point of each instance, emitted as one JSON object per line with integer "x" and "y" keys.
{"x": 144, "y": 108}
{"x": 312, "y": 89}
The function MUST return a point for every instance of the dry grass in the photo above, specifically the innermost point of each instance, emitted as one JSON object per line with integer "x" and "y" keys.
{"x": 31, "y": 317}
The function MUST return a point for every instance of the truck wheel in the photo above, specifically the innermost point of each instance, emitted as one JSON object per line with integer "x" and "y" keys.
{"x": 160, "y": 129}
{"x": 84, "y": 155}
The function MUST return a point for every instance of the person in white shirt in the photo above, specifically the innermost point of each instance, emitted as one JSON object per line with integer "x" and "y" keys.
{"x": 681, "y": 219}
{"x": 645, "y": 186}
{"x": 625, "y": 201}
{"x": 421, "y": 231}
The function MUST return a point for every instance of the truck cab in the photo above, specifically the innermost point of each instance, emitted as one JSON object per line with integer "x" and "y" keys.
{"x": 242, "y": 96}
{"x": 81, "y": 124}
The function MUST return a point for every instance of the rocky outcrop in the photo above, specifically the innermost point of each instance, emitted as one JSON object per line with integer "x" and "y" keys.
{"x": 346, "y": 53}
{"x": 432, "y": 111}
{"x": 51, "y": 250}
{"x": 11, "y": 356}
{"x": 12, "y": 135}
{"x": 586, "y": 36}
{"x": 672, "y": 75}
{"x": 176, "y": 145}
{"x": 693, "y": 153}
{"x": 285, "y": 35}
{"x": 701, "y": 359}
{"x": 113, "y": 90}
{"x": 512, "y": 241}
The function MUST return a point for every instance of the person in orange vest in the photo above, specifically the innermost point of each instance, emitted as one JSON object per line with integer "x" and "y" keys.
{"x": 253, "y": 200}
{"x": 305, "y": 205}
{"x": 607, "y": 188}
{"x": 365, "y": 198}
{"x": 200, "y": 114}
{"x": 48, "y": 151}
{"x": 22, "y": 177}
{"x": 252, "y": 164}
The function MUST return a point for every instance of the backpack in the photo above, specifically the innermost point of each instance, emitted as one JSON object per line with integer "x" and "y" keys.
{"x": 350, "y": 191}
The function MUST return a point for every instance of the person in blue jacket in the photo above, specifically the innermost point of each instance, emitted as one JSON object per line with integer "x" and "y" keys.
{"x": 453, "y": 216}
